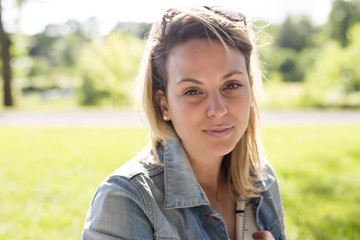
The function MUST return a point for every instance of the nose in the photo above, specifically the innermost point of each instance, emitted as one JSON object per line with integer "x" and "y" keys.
{"x": 216, "y": 107}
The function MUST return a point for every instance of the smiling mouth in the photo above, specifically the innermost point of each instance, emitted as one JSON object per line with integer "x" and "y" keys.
{"x": 219, "y": 132}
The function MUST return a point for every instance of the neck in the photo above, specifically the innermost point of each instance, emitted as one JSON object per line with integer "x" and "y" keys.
{"x": 206, "y": 169}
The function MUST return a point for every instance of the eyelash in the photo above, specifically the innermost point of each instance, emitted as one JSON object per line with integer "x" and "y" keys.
{"x": 234, "y": 85}
{"x": 229, "y": 86}
{"x": 192, "y": 92}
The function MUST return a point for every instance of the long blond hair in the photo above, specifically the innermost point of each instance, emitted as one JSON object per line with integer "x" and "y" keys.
{"x": 241, "y": 166}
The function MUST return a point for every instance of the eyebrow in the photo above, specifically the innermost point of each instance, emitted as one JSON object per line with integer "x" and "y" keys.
{"x": 191, "y": 80}
{"x": 231, "y": 74}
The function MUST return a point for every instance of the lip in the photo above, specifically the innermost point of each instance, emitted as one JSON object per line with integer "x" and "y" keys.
{"x": 219, "y": 131}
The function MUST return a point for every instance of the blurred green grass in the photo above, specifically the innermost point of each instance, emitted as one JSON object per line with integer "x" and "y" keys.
{"x": 49, "y": 175}
{"x": 319, "y": 171}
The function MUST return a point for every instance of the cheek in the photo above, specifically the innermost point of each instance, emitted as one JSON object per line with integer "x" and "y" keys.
{"x": 241, "y": 105}
{"x": 244, "y": 97}
{"x": 184, "y": 115}
{"x": 180, "y": 109}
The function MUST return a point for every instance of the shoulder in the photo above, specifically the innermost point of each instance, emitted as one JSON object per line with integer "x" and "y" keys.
{"x": 121, "y": 201}
{"x": 267, "y": 175}
{"x": 268, "y": 182}
{"x": 144, "y": 163}
{"x": 271, "y": 209}
{"x": 130, "y": 180}
{"x": 133, "y": 177}
{"x": 266, "y": 166}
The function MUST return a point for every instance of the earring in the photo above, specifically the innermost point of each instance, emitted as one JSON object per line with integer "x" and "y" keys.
{"x": 165, "y": 118}
{"x": 252, "y": 104}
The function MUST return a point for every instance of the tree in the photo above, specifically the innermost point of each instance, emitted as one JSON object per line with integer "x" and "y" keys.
{"x": 334, "y": 78}
{"x": 295, "y": 33}
{"x": 5, "y": 44}
{"x": 343, "y": 15}
{"x": 109, "y": 68}
{"x": 60, "y": 44}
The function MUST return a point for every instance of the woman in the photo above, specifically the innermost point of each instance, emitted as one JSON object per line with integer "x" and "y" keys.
{"x": 203, "y": 177}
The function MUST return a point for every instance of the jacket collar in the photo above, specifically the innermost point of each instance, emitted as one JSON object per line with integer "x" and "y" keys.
{"x": 182, "y": 188}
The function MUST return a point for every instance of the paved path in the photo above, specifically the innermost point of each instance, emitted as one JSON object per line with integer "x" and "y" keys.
{"x": 310, "y": 117}
{"x": 99, "y": 118}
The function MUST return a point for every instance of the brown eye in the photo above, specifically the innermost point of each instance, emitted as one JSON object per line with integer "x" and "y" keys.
{"x": 192, "y": 92}
{"x": 233, "y": 85}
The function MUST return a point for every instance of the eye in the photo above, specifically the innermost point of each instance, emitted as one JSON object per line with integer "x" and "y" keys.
{"x": 232, "y": 85}
{"x": 192, "y": 92}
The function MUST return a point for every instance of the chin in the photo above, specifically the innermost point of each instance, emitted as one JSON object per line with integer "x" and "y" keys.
{"x": 222, "y": 149}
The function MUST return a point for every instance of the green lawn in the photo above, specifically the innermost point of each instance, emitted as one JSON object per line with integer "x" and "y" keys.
{"x": 49, "y": 175}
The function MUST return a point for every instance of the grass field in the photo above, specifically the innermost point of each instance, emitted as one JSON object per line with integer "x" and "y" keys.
{"x": 49, "y": 175}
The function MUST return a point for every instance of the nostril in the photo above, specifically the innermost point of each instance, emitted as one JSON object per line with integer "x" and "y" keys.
{"x": 217, "y": 108}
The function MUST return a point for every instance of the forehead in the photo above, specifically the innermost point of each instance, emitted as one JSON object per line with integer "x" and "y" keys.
{"x": 197, "y": 55}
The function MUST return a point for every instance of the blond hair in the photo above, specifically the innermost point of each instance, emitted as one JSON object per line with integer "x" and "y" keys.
{"x": 241, "y": 166}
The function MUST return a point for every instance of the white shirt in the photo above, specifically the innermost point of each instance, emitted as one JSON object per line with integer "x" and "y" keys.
{"x": 246, "y": 217}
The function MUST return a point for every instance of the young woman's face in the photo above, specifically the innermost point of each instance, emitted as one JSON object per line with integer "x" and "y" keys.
{"x": 208, "y": 97}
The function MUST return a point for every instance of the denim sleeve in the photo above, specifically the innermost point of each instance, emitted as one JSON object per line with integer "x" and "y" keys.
{"x": 275, "y": 197}
{"x": 117, "y": 212}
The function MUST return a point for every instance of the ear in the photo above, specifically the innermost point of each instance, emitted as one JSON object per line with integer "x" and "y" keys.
{"x": 161, "y": 99}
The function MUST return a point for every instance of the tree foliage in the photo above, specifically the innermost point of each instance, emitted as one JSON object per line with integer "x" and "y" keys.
{"x": 59, "y": 44}
{"x": 344, "y": 14}
{"x": 324, "y": 58}
{"x": 334, "y": 80}
{"x": 295, "y": 33}
{"x": 109, "y": 68}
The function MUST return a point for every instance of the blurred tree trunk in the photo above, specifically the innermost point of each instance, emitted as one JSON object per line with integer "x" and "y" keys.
{"x": 6, "y": 57}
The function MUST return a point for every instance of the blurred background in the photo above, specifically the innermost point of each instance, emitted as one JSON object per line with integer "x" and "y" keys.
{"x": 70, "y": 54}
{"x": 82, "y": 57}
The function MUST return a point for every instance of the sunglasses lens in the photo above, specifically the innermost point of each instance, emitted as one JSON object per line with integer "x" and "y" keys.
{"x": 171, "y": 13}
{"x": 229, "y": 14}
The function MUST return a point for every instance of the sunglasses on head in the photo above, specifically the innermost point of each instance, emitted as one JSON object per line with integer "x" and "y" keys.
{"x": 229, "y": 15}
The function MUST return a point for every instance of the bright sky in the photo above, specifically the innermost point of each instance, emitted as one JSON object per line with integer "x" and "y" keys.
{"x": 36, "y": 14}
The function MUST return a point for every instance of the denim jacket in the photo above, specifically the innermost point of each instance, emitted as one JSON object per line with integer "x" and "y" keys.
{"x": 150, "y": 199}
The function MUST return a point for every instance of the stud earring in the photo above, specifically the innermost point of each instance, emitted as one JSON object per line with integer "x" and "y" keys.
{"x": 165, "y": 118}
{"x": 252, "y": 104}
